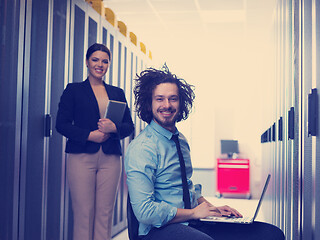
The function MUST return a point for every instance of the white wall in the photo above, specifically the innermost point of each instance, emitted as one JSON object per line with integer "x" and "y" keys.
{"x": 229, "y": 75}
{"x": 230, "y": 70}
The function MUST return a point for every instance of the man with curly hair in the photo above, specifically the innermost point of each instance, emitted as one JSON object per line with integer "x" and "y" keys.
{"x": 167, "y": 206}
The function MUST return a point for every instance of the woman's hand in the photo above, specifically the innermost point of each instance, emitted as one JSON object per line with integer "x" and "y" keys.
{"x": 98, "y": 136}
{"x": 105, "y": 125}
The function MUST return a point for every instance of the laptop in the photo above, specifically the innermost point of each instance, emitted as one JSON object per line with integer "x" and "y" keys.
{"x": 243, "y": 220}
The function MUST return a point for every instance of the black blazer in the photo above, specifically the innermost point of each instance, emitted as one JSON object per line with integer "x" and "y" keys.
{"x": 78, "y": 115}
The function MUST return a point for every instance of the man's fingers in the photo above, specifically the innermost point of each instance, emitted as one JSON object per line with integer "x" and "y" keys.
{"x": 226, "y": 210}
{"x": 214, "y": 209}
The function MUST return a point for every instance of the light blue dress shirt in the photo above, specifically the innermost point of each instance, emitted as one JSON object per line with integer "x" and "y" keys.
{"x": 154, "y": 177}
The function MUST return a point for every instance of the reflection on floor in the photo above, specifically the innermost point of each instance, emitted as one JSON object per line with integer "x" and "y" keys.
{"x": 244, "y": 206}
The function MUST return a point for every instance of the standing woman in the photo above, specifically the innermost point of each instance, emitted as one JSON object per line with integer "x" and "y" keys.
{"x": 93, "y": 146}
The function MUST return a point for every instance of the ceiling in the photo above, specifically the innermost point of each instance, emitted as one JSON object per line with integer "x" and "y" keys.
{"x": 158, "y": 21}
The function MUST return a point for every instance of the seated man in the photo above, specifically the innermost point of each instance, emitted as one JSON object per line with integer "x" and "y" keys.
{"x": 158, "y": 166}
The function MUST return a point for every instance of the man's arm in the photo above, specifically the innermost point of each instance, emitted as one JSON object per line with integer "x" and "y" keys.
{"x": 203, "y": 210}
{"x": 223, "y": 210}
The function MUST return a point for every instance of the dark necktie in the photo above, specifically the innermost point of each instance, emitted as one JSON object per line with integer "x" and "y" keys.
{"x": 186, "y": 195}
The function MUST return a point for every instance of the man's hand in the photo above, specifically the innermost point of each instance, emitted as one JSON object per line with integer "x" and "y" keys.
{"x": 223, "y": 210}
{"x": 98, "y": 136}
{"x": 203, "y": 210}
{"x": 228, "y": 211}
{"x": 105, "y": 125}
{"x": 206, "y": 209}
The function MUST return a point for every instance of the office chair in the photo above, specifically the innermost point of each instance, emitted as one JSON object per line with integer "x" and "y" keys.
{"x": 133, "y": 224}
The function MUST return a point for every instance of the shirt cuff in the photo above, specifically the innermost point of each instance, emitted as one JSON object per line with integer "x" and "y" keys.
{"x": 172, "y": 213}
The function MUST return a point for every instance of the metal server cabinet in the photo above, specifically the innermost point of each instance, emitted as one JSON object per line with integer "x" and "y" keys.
{"x": 233, "y": 177}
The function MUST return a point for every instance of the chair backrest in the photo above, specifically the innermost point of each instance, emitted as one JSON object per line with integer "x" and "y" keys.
{"x": 133, "y": 224}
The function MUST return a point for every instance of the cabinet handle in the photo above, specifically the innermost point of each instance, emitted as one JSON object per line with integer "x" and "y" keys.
{"x": 291, "y": 123}
{"x": 313, "y": 113}
{"x": 280, "y": 129}
{"x": 264, "y": 137}
{"x": 47, "y": 125}
{"x": 233, "y": 166}
{"x": 269, "y": 134}
{"x": 274, "y": 132}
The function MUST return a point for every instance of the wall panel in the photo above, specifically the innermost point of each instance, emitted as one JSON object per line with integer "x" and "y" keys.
{"x": 56, "y": 163}
{"x": 316, "y": 84}
{"x": 33, "y": 186}
{"x": 11, "y": 57}
{"x": 306, "y": 177}
{"x": 295, "y": 195}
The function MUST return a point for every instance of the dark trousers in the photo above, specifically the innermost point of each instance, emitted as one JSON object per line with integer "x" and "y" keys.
{"x": 216, "y": 231}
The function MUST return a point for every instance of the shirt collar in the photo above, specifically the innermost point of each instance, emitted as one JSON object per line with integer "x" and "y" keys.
{"x": 166, "y": 133}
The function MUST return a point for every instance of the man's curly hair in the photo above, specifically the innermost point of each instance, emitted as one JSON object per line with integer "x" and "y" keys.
{"x": 147, "y": 81}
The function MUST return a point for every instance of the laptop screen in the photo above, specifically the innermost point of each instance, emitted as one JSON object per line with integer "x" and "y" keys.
{"x": 262, "y": 195}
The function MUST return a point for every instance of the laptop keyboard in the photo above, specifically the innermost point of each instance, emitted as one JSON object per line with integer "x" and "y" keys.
{"x": 244, "y": 219}
{"x": 232, "y": 219}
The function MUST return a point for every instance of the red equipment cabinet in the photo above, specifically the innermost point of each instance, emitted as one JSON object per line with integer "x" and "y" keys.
{"x": 233, "y": 177}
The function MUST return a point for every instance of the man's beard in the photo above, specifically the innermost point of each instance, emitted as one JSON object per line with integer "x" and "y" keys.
{"x": 166, "y": 123}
